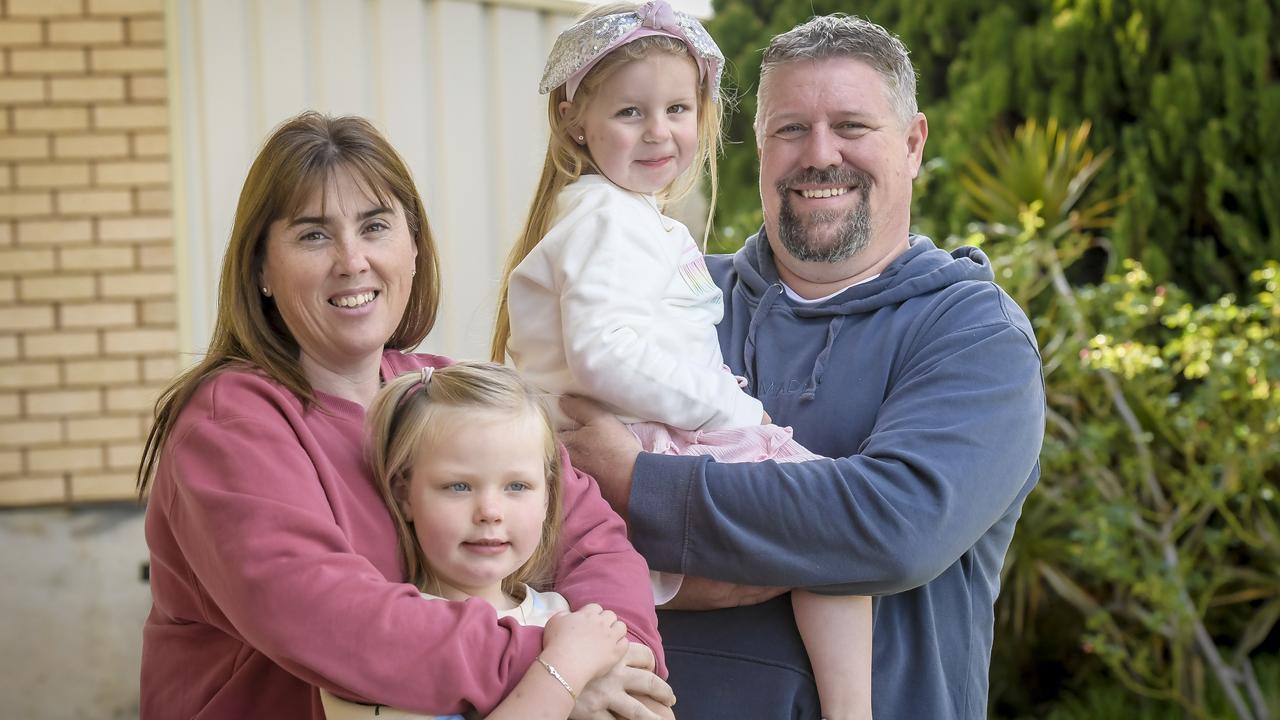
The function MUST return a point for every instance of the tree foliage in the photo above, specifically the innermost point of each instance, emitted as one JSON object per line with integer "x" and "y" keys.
{"x": 1157, "y": 520}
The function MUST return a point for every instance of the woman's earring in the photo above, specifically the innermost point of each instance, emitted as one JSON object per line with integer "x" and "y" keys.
{"x": 581, "y": 139}
{"x": 265, "y": 291}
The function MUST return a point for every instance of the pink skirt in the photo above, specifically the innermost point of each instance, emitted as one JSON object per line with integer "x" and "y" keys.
{"x": 746, "y": 444}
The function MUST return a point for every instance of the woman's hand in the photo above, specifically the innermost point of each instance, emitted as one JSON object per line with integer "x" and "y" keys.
{"x": 630, "y": 691}
{"x": 584, "y": 644}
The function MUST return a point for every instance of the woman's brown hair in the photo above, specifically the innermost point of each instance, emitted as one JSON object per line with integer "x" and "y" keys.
{"x": 293, "y": 165}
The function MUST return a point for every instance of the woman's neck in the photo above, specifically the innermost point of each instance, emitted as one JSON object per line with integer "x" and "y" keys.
{"x": 357, "y": 382}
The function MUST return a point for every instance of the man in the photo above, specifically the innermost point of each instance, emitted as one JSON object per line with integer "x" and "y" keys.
{"x": 905, "y": 364}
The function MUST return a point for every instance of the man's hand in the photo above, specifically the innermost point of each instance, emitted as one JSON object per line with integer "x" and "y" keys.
{"x": 602, "y": 447}
{"x": 699, "y": 593}
{"x": 630, "y": 691}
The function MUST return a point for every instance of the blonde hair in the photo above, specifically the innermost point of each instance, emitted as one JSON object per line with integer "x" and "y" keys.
{"x": 293, "y": 165}
{"x": 566, "y": 160}
{"x": 407, "y": 412}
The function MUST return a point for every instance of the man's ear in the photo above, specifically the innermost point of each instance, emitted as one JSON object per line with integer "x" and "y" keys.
{"x": 917, "y": 133}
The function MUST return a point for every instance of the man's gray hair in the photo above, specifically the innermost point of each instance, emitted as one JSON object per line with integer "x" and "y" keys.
{"x": 841, "y": 36}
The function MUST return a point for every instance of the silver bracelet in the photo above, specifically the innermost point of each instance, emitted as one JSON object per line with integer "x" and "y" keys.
{"x": 559, "y": 678}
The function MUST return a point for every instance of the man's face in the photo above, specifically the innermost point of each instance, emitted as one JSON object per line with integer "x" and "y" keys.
{"x": 836, "y": 164}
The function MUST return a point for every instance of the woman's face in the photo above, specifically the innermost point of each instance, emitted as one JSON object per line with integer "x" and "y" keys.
{"x": 340, "y": 274}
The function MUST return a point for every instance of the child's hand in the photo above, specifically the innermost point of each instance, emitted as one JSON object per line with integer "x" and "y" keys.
{"x": 766, "y": 420}
{"x": 585, "y": 644}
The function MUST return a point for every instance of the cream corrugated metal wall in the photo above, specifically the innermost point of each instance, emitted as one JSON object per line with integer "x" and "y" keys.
{"x": 453, "y": 83}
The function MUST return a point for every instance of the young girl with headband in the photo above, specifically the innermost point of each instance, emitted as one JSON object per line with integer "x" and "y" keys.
{"x": 605, "y": 296}
{"x": 465, "y": 458}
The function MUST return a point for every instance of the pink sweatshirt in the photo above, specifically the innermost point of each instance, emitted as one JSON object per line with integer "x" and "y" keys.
{"x": 274, "y": 568}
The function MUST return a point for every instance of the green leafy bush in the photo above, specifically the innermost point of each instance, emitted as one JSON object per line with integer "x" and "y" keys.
{"x": 1157, "y": 519}
{"x": 1108, "y": 701}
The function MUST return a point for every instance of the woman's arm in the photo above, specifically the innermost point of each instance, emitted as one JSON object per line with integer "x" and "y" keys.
{"x": 598, "y": 563}
{"x": 240, "y": 516}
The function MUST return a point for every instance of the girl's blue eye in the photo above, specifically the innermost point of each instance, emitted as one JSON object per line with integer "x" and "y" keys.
{"x": 518, "y": 486}
{"x": 457, "y": 487}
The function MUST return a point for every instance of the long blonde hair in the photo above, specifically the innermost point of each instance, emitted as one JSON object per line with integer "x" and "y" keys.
{"x": 294, "y": 163}
{"x": 407, "y": 412}
{"x": 566, "y": 160}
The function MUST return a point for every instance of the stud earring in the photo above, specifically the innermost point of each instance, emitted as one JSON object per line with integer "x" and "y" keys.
{"x": 265, "y": 291}
{"x": 581, "y": 139}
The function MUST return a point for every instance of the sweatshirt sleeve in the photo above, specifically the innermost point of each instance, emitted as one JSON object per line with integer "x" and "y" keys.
{"x": 598, "y": 563}
{"x": 613, "y": 275}
{"x": 252, "y": 521}
{"x": 937, "y": 471}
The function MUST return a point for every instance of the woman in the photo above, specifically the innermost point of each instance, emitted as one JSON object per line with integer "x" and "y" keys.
{"x": 274, "y": 561}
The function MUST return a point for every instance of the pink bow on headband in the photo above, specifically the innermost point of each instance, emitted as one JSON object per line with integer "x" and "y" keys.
{"x": 657, "y": 14}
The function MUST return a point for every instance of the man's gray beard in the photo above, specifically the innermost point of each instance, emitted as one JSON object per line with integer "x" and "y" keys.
{"x": 851, "y": 237}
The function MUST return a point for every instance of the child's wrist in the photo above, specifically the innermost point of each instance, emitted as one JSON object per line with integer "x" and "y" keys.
{"x": 558, "y": 677}
{"x": 570, "y": 671}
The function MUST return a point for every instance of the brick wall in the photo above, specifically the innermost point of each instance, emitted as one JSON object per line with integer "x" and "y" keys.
{"x": 87, "y": 310}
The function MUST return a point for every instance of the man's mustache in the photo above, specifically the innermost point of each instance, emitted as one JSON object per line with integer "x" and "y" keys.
{"x": 824, "y": 176}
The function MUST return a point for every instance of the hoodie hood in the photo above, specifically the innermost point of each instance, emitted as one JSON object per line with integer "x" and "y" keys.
{"x": 920, "y": 270}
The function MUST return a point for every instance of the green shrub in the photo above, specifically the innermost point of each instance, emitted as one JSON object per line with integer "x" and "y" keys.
{"x": 1157, "y": 518}
{"x": 1109, "y": 701}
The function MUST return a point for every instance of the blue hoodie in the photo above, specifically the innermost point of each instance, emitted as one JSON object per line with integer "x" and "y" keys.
{"x": 925, "y": 386}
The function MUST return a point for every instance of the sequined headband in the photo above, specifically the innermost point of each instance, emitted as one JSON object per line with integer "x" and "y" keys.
{"x": 581, "y": 46}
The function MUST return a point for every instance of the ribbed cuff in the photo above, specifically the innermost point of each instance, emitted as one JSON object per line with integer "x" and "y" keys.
{"x": 661, "y": 486}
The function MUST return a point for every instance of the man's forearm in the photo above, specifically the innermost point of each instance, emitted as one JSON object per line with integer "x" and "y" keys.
{"x": 698, "y": 593}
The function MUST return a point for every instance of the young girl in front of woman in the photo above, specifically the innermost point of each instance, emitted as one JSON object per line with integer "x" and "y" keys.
{"x": 605, "y": 296}
{"x": 466, "y": 460}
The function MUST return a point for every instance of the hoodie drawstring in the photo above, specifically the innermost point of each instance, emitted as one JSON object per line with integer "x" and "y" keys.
{"x": 820, "y": 363}
{"x": 749, "y": 350}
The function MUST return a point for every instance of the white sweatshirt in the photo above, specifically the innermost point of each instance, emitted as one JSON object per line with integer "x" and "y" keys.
{"x": 616, "y": 304}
